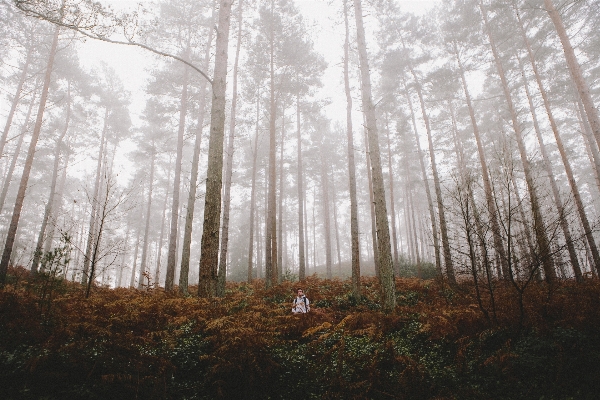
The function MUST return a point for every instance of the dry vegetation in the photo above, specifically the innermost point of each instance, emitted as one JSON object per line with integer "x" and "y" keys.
{"x": 127, "y": 344}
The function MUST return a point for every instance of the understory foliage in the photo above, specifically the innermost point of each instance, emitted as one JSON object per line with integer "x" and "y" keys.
{"x": 127, "y": 344}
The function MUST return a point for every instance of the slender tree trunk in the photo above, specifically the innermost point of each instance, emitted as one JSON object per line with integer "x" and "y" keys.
{"x": 16, "y": 98}
{"x": 37, "y": 254}
{"x": 487, "y": 185}
{"x": 548, "y": 166}
{"x": 386, "y": 272}
{"x": 576, "y": 72}
{"x": 14, "y": 223}
{"x": 136, "y": 251}
{"x": 209, "y": 256}
{"x": 299, "y": 180}
{"x": 15, "y": 158}
{"x": 280, "y": 205}
{"x": 229, "y": 165}
{"x": 539, "y": 228}
{"x": 392, "y": 205}
{"x": 191, "y": 203}
{"x": 414, "y": 231}
{"x": 162, "y": 228}
{"x": 354, "y": 232}
{"x": 143, "y": 265}
{"x": 372, "y": 208}
{"x": 172, "y": 252}
{"x": 432, "y": 217}
{"x": 326, "y": 213}
{"x": 335, "y": 223}
{"x": 590, "y": 142}
{"x": 253, "y": 195}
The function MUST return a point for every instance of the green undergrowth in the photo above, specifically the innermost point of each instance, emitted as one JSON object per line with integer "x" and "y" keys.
{"x": 437, "y": 344}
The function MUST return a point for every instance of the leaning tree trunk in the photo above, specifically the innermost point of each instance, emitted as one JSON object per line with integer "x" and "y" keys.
{"x": 14, "y": 222}
{"x": 16, "y": 98}
{"x": 567, "y": 164}
{"x": 13, "y": 162}
{"x": 229, "y": 166}
{"x": 354, "y": 233}
{"x": 386, "y": 270}
{"x": 191, "y": 203}
{"x": 172, "y": 249}
{"x": 575, "y": 69}
{"x": 436, "y": 183}
{"x": 37, "y": 254}
{"x": 432, "y": 217}
{"x": 564, "y": 224}
{"x": 372, "y": 207}
{"x": 487, "y": 185}
{"x": 209, "y": 248}
{"x": 539, "y": 228}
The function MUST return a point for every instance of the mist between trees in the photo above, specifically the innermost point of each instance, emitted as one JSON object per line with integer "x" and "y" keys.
{"x": 237, "y": 172}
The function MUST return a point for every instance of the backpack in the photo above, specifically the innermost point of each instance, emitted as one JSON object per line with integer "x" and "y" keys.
{"x": 304, "y": 300}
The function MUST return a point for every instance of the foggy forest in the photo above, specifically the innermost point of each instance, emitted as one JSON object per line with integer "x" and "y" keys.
{"x": 428, "y": 172}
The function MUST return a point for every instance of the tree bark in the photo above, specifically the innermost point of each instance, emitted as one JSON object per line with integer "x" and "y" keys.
{"x": 392, "y": 205}
{"x": 326, "y": 213}
{"x": 383, "y": 233}
{"x": 253, "y": 195}
{"x": 354, "y": 232}
{"x": 299, "y": 180}
{"x": 37, "y": 254}
{"x": 229, "y": 165}
{"x": 15, "y": 158}
{"x": 209, "y": 256}
{"x": 14, "y": 223}
{"x": 143, "y": 264}
{"x": 191, "y": 203}
{"x": 539, "y": 228}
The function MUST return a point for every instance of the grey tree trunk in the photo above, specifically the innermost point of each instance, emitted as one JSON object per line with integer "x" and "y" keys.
{"x": 253, "y": 196}
{"x": 354, "y": 232}
{"x": 14, "y": 222}
{"x": 143, "y": 265}
{"x": 92, "y": 225}
{"x": 229, "y": 165}
{"x": 13, "y": 162}
{"x": 280, "y": 205}
{"x": 539, "y": 228}
{"x": 392, "y": 205}
{"x": 191, "y": 203}
{"x": 300, "y": 185}
{"x": 372, "y": 208}
{"x": 172, "y": 249}
{"x": 432, "y": 217}
{"x": 209, "y": 248}
{"x": 326, "y": 213}
{"x": 383, "y": 232}
{"x": 16, "y": 98}
{"x": 576, "y": 72}
{"x": 162, "y": 230}
{"x": 487, "y": 185}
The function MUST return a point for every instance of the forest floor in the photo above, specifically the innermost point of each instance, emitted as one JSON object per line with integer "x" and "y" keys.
{"x": 439, "y": 343}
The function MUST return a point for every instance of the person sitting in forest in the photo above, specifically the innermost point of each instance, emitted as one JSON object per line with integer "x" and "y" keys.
{"x": 301, "y": 303}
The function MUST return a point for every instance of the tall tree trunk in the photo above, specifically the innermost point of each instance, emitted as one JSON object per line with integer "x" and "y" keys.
{"x": 14, "y": 223}
{"x": 37, "y": 254}
{"x": 539, "y": 228}
{"x": 253, "y": 195}
{"x": 16, "y": 98}
{"x": 392, "y": 205}
{"x": 191, "y": 202}
{"x": 576, "y": 72}
{"x": 209, "y": 256}
{"x": 280, "y": 205}
{"x": 299, "y": 180}
{"x": 565, "y": 160}
{"x": 162, "y": 229}
{"x": 548, "y": 166}
{"x": 449, "y": 265}
{"x": 143, "y": 264}
{"x": 229, "y": 165}
{"x": 326, "y": 213}
{"x": 354, "y": 232}
{"x": 136, "y": 250}
{"x": 487, "y": 185}
{"x": 386, "y": 271}
{"x": 372, "y": 208}
{"x": 335, "y": 223}
{"x": 95, "y": 198}
{"x": 13, "y": 162}
{"x": 173, "y": 234}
